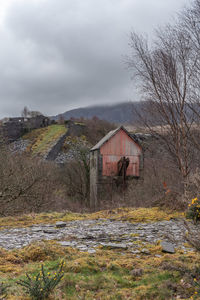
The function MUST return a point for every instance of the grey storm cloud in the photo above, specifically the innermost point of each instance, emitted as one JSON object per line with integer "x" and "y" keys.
{"x": 60, "y": 54}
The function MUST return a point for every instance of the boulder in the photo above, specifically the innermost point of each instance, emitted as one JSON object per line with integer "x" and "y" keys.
{"x": 167, "y": 247}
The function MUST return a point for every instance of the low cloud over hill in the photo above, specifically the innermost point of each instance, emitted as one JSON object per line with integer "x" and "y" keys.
{"x": 123, "y": 113}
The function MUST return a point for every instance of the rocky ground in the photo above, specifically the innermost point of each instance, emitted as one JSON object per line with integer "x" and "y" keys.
{"x": 115, "y": 254}
{"x": 86, "y": 235}
{"x": 19, "y": 146}
{"x": 73, "y": 151}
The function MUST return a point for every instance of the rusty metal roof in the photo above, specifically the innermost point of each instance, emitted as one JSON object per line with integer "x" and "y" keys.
{"x": 109, "y": 135}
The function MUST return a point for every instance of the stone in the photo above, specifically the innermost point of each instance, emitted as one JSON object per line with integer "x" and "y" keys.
{"x": 137, "y": 272}
{"x": 135, "y": 251}
{"x": 50, "y": 231}
{"x": 167, "y": 247}
{"x": 66, "y": 244}
{"x": 114, "y": 246}
{"x": 145, "y": 251}
{"x": 37, "y": 229}
{"x": 82, "y": 248}
{"x": 91, "y": 251}
{"x": 61, "y": 224}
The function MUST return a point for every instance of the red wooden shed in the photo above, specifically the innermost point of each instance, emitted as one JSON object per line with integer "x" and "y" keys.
{"x": 107, "y": 156}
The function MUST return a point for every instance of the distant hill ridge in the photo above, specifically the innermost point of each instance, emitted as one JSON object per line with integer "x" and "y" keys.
{"x": 122, "y": 113}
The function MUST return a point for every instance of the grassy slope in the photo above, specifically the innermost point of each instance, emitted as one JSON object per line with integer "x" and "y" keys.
{"x": 42, "y": 139}
{"x": 105, "y": 274}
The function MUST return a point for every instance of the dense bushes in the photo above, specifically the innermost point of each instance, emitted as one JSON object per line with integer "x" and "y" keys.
{"x": 26, "y": 184}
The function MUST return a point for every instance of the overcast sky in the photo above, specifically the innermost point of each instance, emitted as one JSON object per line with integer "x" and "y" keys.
{"x": 56, "y": 55}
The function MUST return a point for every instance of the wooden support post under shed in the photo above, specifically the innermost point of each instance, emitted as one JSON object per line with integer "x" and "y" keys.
{"x": 104, "y": 161}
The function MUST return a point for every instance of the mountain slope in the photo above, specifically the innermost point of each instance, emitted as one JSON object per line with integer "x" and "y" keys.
{"x": 123, "y": 113}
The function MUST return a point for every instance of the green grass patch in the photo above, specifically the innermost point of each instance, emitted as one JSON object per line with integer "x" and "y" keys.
{"x": 42, "y": 139}
{"x": 103, "y": 275}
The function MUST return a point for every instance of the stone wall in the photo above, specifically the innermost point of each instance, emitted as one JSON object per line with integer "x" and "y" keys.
{"x": 12, "y": 131}
{"x": 14, "y": 128}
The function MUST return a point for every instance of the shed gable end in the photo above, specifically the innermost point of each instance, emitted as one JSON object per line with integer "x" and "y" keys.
{"x": 120, "y": 144}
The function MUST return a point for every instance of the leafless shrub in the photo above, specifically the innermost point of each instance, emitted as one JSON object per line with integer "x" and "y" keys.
{"x": 26, "y": 184}
{"x": 75, "y": 177}
{"x": 167, "y": 72}
{"x": 96, "y": 129}
{"x": 193, "y": 186}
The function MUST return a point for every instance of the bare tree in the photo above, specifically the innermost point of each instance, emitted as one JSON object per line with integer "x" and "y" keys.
{"x": 25, "y": 112}
{"x": 190, "y": 26}
{"x": 30, "y": 113}
{"x": 76, "y": 175}
{"x": 165, "y": 73}
{"x": 61, "y": 120}
{"x": 34, "y": 113}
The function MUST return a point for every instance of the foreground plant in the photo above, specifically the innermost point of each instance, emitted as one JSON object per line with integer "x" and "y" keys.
{"x": 3, "y": 291}
{"x": 40, "y": 286}
{"x": 197, "y": 292}
{"x": 194, "y": 210}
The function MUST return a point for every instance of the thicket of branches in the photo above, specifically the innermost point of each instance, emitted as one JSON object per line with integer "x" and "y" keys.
{"x": 167, "y": 71}
{"x": 26, "y": 185}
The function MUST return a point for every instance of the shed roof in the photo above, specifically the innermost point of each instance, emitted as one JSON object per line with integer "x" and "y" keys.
{"x": 109, "y": 135}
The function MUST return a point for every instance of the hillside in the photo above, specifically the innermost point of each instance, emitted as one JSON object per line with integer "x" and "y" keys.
{"x": 123, "y": 113}
{"x": 61, "y": 141}
{"x": 42, "y": 140}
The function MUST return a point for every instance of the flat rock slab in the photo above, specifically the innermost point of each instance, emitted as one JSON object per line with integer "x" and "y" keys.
{"x": 167, "y": 247}
{"x": 50, "y": 231}
{"x": 67, "y": 244}
{"x": 86, "y": 235}
{"x": 61, "y": 224}
{"x": 114, "y": 246}
{"x": 145, "y": 251}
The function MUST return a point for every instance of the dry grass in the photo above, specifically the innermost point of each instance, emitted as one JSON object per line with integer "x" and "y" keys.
{"x": 106, "y": 274}
{"x": 132, "y": 215}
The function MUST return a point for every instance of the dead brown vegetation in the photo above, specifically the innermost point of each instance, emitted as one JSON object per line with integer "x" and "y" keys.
{"x": 26, "y": 185}
{"x": 168, "y": 71}
{"x": 96, "y": 129}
